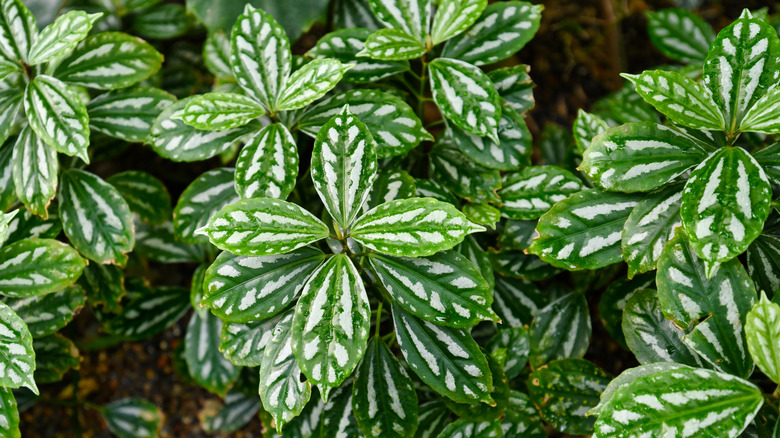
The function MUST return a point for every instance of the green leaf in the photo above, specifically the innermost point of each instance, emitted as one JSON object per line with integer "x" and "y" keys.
{"x": 453, "y": 17}
{"x": 741, "y": 66}
{"x": 625, "y": 106}
{"x": 220, "y": 111}
{"x": 586, "y": 127}
{"x": 35, "y": 267}
{"x": 663, "y": 403}
{"x": 159, "y": 243}
{"x": 95, "y": 218}
{"x": 517, "y": 301}
{"x": 34, "y": 166}
{"x": 413, "y": 227}
{"x": 216, "y": 55}
{"x": 9, "y": 414}
{"x": 514, "y": 263}
{"x": 763, "y": 262}
{"x": 725, "y": 203}
{"x": 561, "y": 329}
{"x": 428, "y": 188}
{"x": 337, "y": 419}
{"x": 331, "y": 323}
{"x": 260, "y": 56}
{"x": 383, "y": 397}
{"x": 133, "y": 418}
{"x": 564, "y": 390}
{"x": 343, "y": 166}
{"x": 762, "y": 116}
{"x": 531, "y": 192}
{"x": 465, "y": 427}
{"x": 629, "y": 376}
{"x": 202, "y": 199}
{"x": 7, "y": 187}
{"x": 246, "y": 289}
{"x": 514, "y": 143}
{"x": 263, "y": 226}
{"x": 267, "y": 165}
{"x": 110, "y": 60}
{"x": 16, "y": 351}
{"x": 236, "y": 412}
{"x": 762, "y": 330}
{"x": 613, "y": 302}
{"x": 483, "y": 214}
{"x": 395, "y": 127}
{"x": 466, "y": 96}
{"x": 679, "y": 98}
{"x": 46, "y": 314}
{"x": 244, "y": 344}
{"x": 432, "y": 418}
{"x": 105, "y": 286}
{"x": 714, "y": 308}
{"x": 514, "y": 86}
{"x": 10, "y": 102}
{"x": 680, "y": 34}
{"x": 638, "y": 157}
{"x": 5, "y": 220}
{"x": 128, "y": 114}
{"x": 392, "y": 45}
{"x": 61, "y": 36}
{"x": 390, "y": 185}
{"x": 150, "y": 312}
{"x": 55, "y": 355}
{"x": 411, "y": 16}
{"x": 446, "y": 359}
{"x": 354, "y": 13}
{"x": 26, "y": 225}
{"x": 458, "y": 173}
{"x": 516, "y": 235}
{"x": 649, "y": 226}
{"x": 18, "y": 30}
{"x": 310, "y": 83}
{"x": 584, "y": 230}
{"x": 344, "y": 45}
{"x": 502, "y": 30}
{"x": 144, "y": 194}
{"x": 474, "y": 253}
{"x": 445, "y": 288}
{"x": 162, "y": 22}
{"x": 514, "y": 345}
{"x": 57, "y": 116}
{"x": 521, "y": 420}
{"x": 201, "y": 352}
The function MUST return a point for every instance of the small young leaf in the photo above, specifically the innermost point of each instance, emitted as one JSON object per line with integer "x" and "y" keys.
{"x": 133, "y": 418}
{"x": 9, "y": 414}
{"x": 531, "y": 192}
{"x": 16, "y": 351}
{"x": 34, "y": 267}
{"x": 453, "y": 17}
{"x": 560, "y": 330}
{"x": 411, "y": 16}
{"x": 680, "y": 34}
{"x": 202, "y": 199}
{"x": 18, "y": 30}
{"x": 514, "y": 143}
{"x": 61, "y": 36}
{"x": 267, "y": 165}
{"x": 586, "y": 127}
{"x": 344, "y": 45}
{"x": 201, "y": 352}
{"x": 220, "y": 111}
{"x": 514, "y": 86}
{"x": 34, "y": 166}
{"x": 150, "y": 312}
{"x": 144, "y": 194}
{"x": 46, "y": 314}
{"x": 55, "y": 355}
{"x": 244, "y": 344}
{"x": 465, "y": 427}
{"x": 762, "y": 330}
{"x": 310, "y": 83}
{"x": 392, "y": 45}
{"x": 128, "y": 114}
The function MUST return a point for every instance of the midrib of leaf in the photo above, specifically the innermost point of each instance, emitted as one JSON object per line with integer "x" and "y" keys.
{"x": 345, "y": 188}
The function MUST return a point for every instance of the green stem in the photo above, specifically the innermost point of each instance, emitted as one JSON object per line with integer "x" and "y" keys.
{"x": 420, "y": 101}
{"x": 378, "y": 318}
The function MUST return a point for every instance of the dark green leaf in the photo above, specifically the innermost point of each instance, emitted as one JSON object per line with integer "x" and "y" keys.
{"x": 680, "y": 34}
{"x": 531, "y": 192}
{"x": 144, "y": 194}
{"x": 16, "y": 351}
{"x": 128, "y": 114}
{"x": 35, "y": 267}
{"x": 46, "y": 314}
{"x": 54, "y": 356}
{"x": 201, "y": 351}
{"x": 133, "y": 418}
{"x": 202, "y": 199}
{"x": 560, "y": 330}
{"x": 344, "y": 44}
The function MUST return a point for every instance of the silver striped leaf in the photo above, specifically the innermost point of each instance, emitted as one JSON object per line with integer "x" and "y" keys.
{"x": 769, "y": 160}
{"x": 519, "y": 264}
{"x": 446, "y": 359}
{"x": 16, "y": 351}
{"x": 466, "y": 96}
{"x": 453, "y": 17}
{"x": 680, "y": 34}
{"x": 260, "y": 56}
{"x": 35, "y": 267}
{"x": 144, "y": 194}
{"x": 638, "y": 157}
{"x": 61, "y": 36}
{"x": 517, "y": 301}
{"x": 219, "y": 111}
{"x": 354, "y": 13}
{"x": 392, "y": 45}
{"x": 455, "y": 171}
{"x": 8, "y": 68}
{"x": 18, "y": 29}
{"x": 344, "y": 166}
{"x": 237, "y": 411}
{"x": 762, "y": 116}
{"x": 678, "y": 401}
{"x": 344, "y": 45}
{"x": 55, "y": 355}
{"x": 429, "y": 188}
{"x": 109, "y": 61}
{"x": 105, "y": 287}
{"x": 263, "y": 226}
{"x": 413, "y": 227}
{"x": 411, "y": 16}
{"x": 474, "y": 253}
{"x": 393, "y": 124}
{"x": 741, "y": 66}
{"x": 584, "y": 231}
{"x": 510, "y": 347}
{"x": 531, "y": 192}
{"x": 629, "y": 376}
{"x": 390, "y": 185}
{"x": 34, "y": 166}
{"x": 202, "y": 199}
{"x": 5, "y": 220}
{"x": 330, "y": 328}
{"x": 128, "y": 114}
{"x": 649, "y": 226}
{"x": 712, "y": 310}
{"x": 46, "y": 314}
{"x": 337, "y": 419}
{"x": 472, "y": 428}
{"x": 216, "y": 55}
{"x": 246, "y": 289}
{"x": 445, "y": 288}
{"x": 57, "y": 116}
{"x": 725, "y": 204}
{"x": 244, "y": 344}
{"x": 384, "y": 401}
{"x": 502, "y": 30}
{"x": 26, "y": 225}
{"x": 763, "y": 263}
{"x": 514, "y": 86}
{"x": 267, "y": 165}
{"x": 517, "y": 234}
{"x": 171, "y": 138}
{"x": 433, "y": 417}
{"x": 9, "y": 414}
{"x": 560, "y": 330}
{"x": 159, "y": 243}
{"x": 679, "y": 98}
{"x": 132, "y": 418}
{"x": 165, "y": 21}
{"x": 482, "y": 214}
{"x": 310, "y": 83}
{"x": 149, "y": 312}
{"x": 521, "y": 419}
{"x": 10, "y": 102}
{"x": 762, "y": 330}
{"x": 95, "y": 218}
{"x": 7, "y": 187}
{"x": 586, "y": 127}
{"x": 207, "y": 366}
{"x": 307, "y": 423}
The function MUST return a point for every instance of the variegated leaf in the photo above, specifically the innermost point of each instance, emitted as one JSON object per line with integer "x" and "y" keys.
{"x": 520, "y": 264}
{"x": 531, "y": 192}
{"x": 57, "y": 115}
{"x": 584, "y": 231}
{"x": 128, "y": 114}
{"x": 392, "y": 122}
{"x": 769, "y": 160}
{"x": 433, "y": 417}
{"x": 502, "y": 30}
{"x": 517, "y": 301}
{"x": 105, "y": 287}
{"x": 763, "y": 262}
{"x": 714, "y": 309}
{"x": 483, "y": 214}
{"x": 454, "y": 170}
{"x": 472, "y": 250}
{"x": 560, "y": 330}
{"x": 17, "y": 30}
{"x": 236, "y": 412}
{"x": 95, "y": 217}
{"x": 246, "y": 289}
{"x": 586, "y": 127}
{"x": 649, "y": 226}
{"x": 61, "y": 37}
{"x": 354, "y": 13}
{"x": 263, "y": 226}
{"x": 110, "y": 60}
{"x": 445, "y": 288}
{"x": 510, "y": 347}
{"x": 34, "y": 166}
{"x": 26, "y": 225}
{"x": 521, "y": 419}
{"x": 10, "y": 102}
{"x": 453, "y": 17}
{"x": 762, "y": 116}
{"x": 5, "y": 220}
{"x": 159, "y": 243}
{"x": 466, "y": 96}
{"x": 330, "y": 328}
{"x": 625, "y": 106}
{"x": 132, "y": 418}
{"x": 629, "y": 376}
{"x": 638, "y": 157}
{"x": 514, "y": 86}
{"x": 725, "y": 203}
{"x": 741, "y": 66}
{"x": 344, "y": 45}
{"x": 216, "y": 55}
{"x": 413, "y": 227}
{"x": 678, "y": 401}
{"x": 34, "y": 267}
{"x": 202, "y": 199}
{"x": 390, "y": 185}
{"x": 144, "y": 194}
{"x": 9, "y": 413}
{"x": 201, "y": 352}
{"x": 149, "y": 312}
{"x": 512, "y": 150}
{"x": 260, "y": 56}
{"x": 16, "y": 351}
{"x": 383, "y": 397}
{"x": 411, "y": 16}
{"x": 680, "y": 34}
{"x": 55, "y": 355}
{"x": 310, "y": 83}
{"x": 337, "y": 419}
{"x": 165, "y": 21}
{"x": 392, "y": 45}
{"x": 517, "y": 235}
{"x": 762, "y": 330}
{"x": 466, "y": 427}
{"x": 429, "y": 188}
{"x": 446, "y": 359}
{"x": 267, "y": 165}
{"x": 219, "y": 111}
{"x": 46, "y": 314}
{"x": 244, "y": 344}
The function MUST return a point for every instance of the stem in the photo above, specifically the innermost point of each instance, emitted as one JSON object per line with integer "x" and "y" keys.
{"x": 420, "y": 101}
{"x": 378, "y": 318}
